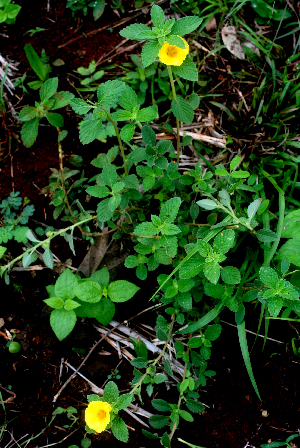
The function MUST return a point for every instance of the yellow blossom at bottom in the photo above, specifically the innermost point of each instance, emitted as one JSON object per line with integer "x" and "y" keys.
{"x": 172, "y": 55}
{"x": 97, "y": 415}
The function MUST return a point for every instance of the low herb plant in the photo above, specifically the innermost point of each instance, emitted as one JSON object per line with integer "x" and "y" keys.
{"x": 213, "y": 233}
{"x": 15, "y": 214}
{"x": 94, "y": 297}
{"x": 50, "y": 100}
{"x": 8, "y": 11}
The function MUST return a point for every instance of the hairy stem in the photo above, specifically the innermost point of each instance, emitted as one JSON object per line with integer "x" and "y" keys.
{"x": 177, "y": 121}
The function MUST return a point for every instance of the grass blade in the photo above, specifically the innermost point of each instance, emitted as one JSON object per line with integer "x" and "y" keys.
{"x": 246, "y": 356}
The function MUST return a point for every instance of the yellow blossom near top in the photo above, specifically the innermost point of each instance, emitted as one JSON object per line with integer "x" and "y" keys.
{"x": 172, "y": 55}
{"x": 97, "y": 415}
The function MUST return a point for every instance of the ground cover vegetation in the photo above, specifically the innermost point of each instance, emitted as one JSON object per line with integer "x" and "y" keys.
{"x": 202, "y": 236}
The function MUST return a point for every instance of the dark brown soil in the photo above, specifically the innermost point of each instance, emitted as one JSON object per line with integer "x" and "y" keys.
{"x": 30, "y": 379}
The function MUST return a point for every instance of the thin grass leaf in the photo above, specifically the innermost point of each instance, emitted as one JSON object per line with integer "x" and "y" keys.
{"x": 246, "y": 356}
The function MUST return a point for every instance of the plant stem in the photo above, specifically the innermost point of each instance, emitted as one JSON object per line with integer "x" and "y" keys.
{"x": 160, "y": 355}
{"x": 41, "y": 243}
{"x": 177, "y": 121}
{"x": 112, "y": 121}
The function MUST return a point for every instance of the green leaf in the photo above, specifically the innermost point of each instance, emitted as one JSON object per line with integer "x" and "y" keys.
{"x": 205, "y": 320}
{"x": 224, "y": 197}
{"x": 274, "y": 306}
{"x": 98, "y": 191}
{"x": 246, "y": 356}
{"x": 170, "y": 229}
{"x": 71, "y": 304}
{"x": 186, "y": 415}
{"x": 29, "y": 132}
{"x": 55, "y": 120}
{"x": 139, "y": 362}
{"x": 240, "y": 174}
{"x": 61, "y": 99}
{"x": 158, "y": 421}
{"x": 121, "y": 290}
{"x": 157, "y": 16}
{"x": 234, "y": 163}
{"x": 80, "y": 106}
{"x": 149, "y": 136}
{"x": 55, "y": 302}
{"x": 150, "y": 52}
{"x": 290, "y": 250}
{"x": 165, "y": 440}
{"x": 48, "y": 258}
{"x": 122, "y": 115}
{"x": 147, "y": 114}
{"x": 62, "y": 322}
{"x": 35, "y": 62}
{"x": 172, "y": 39}
{"x": 93, "y": 397}
{"x": 109, "y": 175}
{"x": 230, "y": 275}
{"x": 269, "y": 277}
{"x": 114, "y": 202}
{"x": 213, "y": 332}
{"x": 168, "y": 368}
{"x": 194, "y": 406}
{"x": 266, "y": 236}
{"x": 128, "y": 99}
{"x": 48, "y": 89}
{"x": 182, "y": 110}
{"x": 110, "y": 92}
{"x": 88, "y": 291}
{"x": 207, "y": 204}
{"x": 127, "y": 132}
{"x": 65, "y": 285}
{"x": 191, "y": 267}
{"x": 285, "y": 264}
{"x": 291, "y": 224}
{"x": 124, "y": 401}
{"x": 161, "y": 405}
{"x": 187, "y": 70}
{"x": 170, "y": 210}
{"x": 98, "y": 10}
{"x": 224, "y": 241}
{"x": 89, "y": 130}
{"x": 138, "y": 31}
{"x": 215, "y": 291}
{"x": 146, "y": 229}
{"x": 119, "y": 429}
{"x": 111, "y": 392}
{"x": 253, "y": 207}
{"x": 104, "y": 213}
{"x": 27, "y": 113}
{"x": 186, "y": 25}
{"x": 212, "y": 271}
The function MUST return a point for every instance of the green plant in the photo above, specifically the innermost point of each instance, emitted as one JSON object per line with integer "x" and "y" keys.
{"x": 15, "y": 215}
{"x": 39, "y": 65}
{"x": 114, "y": 375}
{"x": 8, "y": 11}
{"x": 73, "y": 297}
{"x": 91, "y": 77}
{"x": 50, "y": 100}
{"x": 83, "y": 5}
{"x": 277, "y": 444}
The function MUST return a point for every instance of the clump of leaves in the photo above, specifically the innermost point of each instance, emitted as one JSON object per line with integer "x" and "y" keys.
{"x": 15, "y": 215}
{"x": 50, "y": 100}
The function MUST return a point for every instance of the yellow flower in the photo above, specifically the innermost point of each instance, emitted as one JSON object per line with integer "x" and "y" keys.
{"x": 172, "y": 55}
{"x": 97, "y": 415}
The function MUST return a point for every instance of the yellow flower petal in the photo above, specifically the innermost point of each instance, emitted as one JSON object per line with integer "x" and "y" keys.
{"x": 172, "y": 55}
{"x": 97, "y": 415}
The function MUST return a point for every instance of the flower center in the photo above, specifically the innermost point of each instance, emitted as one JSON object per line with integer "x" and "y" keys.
{"x": 172, "y": 51}
{"x": 101, "y": 414}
